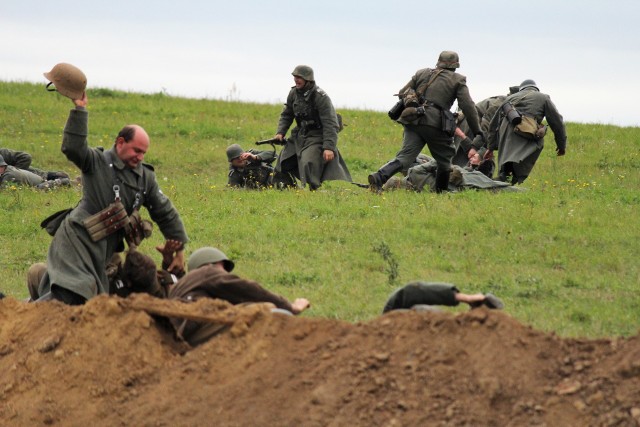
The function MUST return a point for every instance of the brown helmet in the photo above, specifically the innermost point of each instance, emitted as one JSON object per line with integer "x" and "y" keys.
{"x": 448, "y": 59}
{"x": 69, "y": 80}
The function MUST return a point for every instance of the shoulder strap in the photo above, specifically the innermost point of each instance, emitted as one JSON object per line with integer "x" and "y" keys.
{"x": 422, "y": 89}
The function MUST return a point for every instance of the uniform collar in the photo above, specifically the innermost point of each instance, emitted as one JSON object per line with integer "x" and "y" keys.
{"x": 119, "y": 164}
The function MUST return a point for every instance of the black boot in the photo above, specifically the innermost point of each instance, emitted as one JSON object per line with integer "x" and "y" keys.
{"x": 442, "y": 180}
{"x": 377, "y": 179}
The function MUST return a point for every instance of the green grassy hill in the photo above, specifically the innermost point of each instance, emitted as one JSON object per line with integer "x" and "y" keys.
{"x": 563, "y": 255}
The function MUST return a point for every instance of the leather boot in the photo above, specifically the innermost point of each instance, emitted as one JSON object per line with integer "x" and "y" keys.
{"x": 442, "y": 180}
{"x": 377, "y": 179}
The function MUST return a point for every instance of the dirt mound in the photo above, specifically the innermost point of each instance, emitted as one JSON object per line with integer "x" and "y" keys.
{"x": 111, "y": 363}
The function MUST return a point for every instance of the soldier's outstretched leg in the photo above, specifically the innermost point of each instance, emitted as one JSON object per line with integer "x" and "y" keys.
{"x": 377, "y": 179}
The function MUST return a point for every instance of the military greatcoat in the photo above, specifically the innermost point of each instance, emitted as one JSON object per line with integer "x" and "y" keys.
{"x": 522, "y": 152}
{"x": 74, "y": 261}
{"x": 316, "y": 130}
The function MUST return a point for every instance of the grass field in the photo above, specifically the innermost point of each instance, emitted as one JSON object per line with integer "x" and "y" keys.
{"x": 563, "y": 255}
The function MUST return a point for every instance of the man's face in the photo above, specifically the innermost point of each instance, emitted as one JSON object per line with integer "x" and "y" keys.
{"x": 132, "y": 152}
{"x": 299, "y": 81}
{"x": 239, "y": 162}
{"x": 2, "y": 169}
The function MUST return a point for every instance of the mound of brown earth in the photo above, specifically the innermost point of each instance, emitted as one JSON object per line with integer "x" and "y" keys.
{"x": 111, "y": 363}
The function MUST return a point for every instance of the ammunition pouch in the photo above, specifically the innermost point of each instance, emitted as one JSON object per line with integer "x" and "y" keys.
{"x": 448, "y": 122}
{"x": 107, "y": 221}
{"x": 53, "y": 222}
{"x": 137, "y": 229}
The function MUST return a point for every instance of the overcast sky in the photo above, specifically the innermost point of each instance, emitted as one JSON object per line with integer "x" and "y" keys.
{"x": 584, "y": 54}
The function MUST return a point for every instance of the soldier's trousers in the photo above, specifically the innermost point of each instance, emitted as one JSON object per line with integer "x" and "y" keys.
{"x": 440, "y": 145}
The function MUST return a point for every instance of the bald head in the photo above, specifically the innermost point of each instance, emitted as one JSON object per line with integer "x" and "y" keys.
{"x": 131, "y": 145}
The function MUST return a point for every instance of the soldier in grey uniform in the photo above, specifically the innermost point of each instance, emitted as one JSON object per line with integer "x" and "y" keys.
{"x": 249, "y": 169}
{"x": 311, "y": 153}
{"x": 12, "y": 175}
{"x": 22, "y": 160}
{"x": 76, "y": 264}
{"x": 423, "y": 176}
{"x": 518, "y": 154}
{"x": 429, "y": 95}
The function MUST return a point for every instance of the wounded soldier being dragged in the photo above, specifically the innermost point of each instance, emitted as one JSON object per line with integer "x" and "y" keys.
{"x": 423, "y": 176}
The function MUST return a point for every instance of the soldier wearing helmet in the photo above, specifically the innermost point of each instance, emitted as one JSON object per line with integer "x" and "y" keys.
{"x": 427, "y": 119}
{"x": 519, "y": 153}
{"x": 311, "y": 153}
{"x": 12, "y": 175}
{"x": 209, "y": 276}
{"x": 22, "y": 160}
{"x": 249, "y": 169}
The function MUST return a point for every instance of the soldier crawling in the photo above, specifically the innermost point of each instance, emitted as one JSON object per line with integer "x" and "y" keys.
{"x": 250, "y": 169}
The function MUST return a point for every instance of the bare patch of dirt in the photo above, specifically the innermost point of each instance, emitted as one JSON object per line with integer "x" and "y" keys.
{"x": 110, "y": 362}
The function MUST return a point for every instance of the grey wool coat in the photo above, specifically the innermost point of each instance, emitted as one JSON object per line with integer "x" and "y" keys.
{"x": 513, "y": 148}
{"x": 74, "y": 261}
{"x": 316, "y": 130}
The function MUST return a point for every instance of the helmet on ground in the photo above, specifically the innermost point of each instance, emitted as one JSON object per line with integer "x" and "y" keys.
{"x": 528, "y": 83}
{"x": 448, "y": 59}
{"x": 2, "y": 162}
{"x": 69, "y": 80}
{"x": 208, "y": 255}
{"x": 234, "y": 151}
{"x": 305, "y": 72}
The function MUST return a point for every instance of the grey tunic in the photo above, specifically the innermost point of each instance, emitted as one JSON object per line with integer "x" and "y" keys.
{"x": 518, "y": 150}
{"x": 74, "y": 261}
{"x": 316, "y": 131}
{"x": 444, "y": 90}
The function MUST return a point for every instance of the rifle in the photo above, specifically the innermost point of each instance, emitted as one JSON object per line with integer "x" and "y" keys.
{"x": 272, "y": 141}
